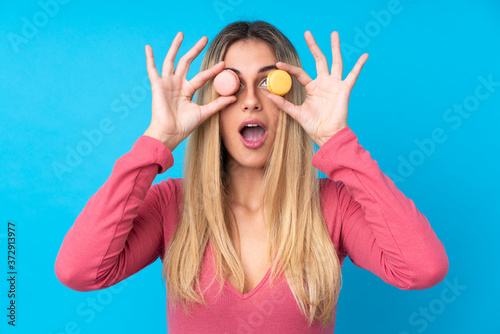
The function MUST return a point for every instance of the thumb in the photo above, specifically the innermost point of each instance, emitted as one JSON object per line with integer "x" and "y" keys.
{"x": 219, "y": 103}
{"x": 285, "y": 105}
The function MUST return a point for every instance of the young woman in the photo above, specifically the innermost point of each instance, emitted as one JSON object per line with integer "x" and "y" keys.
{"x": 258, "y": 221}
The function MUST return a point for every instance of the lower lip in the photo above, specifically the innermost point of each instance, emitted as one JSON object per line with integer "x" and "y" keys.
{"x": 253, "y": 144}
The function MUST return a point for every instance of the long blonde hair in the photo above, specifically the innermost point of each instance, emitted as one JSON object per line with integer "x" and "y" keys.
{"x": 295, "y": 224}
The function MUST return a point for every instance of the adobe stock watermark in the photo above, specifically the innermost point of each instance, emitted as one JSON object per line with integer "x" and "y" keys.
{"x": 365, "y": 35}
{"x": 30, "y": 27}
{"x": 88, "y": 310}
{"x": 93, "y": 138}
{"x": 420, "y": 319}
{"x": 223, "y": 6}
{"x": 455, "y": 116}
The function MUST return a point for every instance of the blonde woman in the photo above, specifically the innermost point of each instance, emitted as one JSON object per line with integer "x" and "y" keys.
{"x": 251, "y": 240}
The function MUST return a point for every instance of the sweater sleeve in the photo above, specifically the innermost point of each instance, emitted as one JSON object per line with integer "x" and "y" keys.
{"x": 381, "y": 229}
{"x": 119, "y": 231}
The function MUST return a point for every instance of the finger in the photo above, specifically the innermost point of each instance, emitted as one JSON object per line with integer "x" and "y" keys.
{"x": 150, "y": 61}
{"x": 202, "y": 77}
{"x": 337, "y": 65}
{"x": 168, "y": 63}
{"x": 285, "y": 105}
{"x": 353, "y": 76}
{"x": 321, "y": 62}
{"x": 297, "y": 72}
{"x": 218, "y": 104}
{"x": 185, "y": 61}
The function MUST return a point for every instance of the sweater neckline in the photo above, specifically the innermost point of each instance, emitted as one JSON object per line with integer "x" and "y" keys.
{"x": 251, "y": 292}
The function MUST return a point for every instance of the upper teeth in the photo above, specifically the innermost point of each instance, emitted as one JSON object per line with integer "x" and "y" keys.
{"x": 252, "y": 125}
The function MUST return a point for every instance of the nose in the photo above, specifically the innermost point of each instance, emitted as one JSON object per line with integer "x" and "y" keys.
{"x": 251, "y": 101}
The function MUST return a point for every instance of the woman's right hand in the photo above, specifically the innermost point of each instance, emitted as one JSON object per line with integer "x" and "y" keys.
{"x": 174, "y": 114}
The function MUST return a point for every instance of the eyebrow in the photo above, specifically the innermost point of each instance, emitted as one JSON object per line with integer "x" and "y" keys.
{"x": 263, "y": 69}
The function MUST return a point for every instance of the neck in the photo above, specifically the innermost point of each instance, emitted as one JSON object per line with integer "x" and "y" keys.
{"x": 244, "y": 187}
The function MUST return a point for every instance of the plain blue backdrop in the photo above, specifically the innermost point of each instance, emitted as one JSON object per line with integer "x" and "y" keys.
{"x": 426, "y": 106}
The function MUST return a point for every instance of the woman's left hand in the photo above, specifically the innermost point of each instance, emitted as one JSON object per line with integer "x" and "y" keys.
{"x": 324, "y": 111}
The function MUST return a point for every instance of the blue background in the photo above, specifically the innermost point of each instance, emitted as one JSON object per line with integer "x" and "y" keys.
{"x": 72, "y": 71}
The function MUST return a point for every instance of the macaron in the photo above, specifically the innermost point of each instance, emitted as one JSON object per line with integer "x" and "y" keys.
{"x": 226, "y": 83}
{"x": 279, "y": 82}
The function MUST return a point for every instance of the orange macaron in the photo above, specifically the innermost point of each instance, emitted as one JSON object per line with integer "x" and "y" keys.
{"x": 279, "y": 82}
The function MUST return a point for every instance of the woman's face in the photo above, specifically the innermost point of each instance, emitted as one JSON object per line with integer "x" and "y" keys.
{"x": 252, "y": 60}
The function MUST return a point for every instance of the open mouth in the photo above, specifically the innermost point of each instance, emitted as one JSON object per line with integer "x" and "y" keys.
{"x": 252, "y": 132}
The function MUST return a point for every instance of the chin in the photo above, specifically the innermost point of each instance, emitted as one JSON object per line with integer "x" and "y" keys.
{"x": 250, "y": 160}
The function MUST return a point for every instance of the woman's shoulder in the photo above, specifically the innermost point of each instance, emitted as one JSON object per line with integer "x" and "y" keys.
{"x": 331, "y": 190}
{"x": 168, "y": 198}
{"x": 169, "y": 189}
{"x": 335, "y": 197}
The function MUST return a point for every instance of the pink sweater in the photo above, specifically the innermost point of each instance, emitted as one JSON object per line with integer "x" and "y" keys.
{"x": 128, "y": 223}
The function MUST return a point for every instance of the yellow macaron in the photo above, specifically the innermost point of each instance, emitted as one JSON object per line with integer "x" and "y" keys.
{"x": 279, "y": 82}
